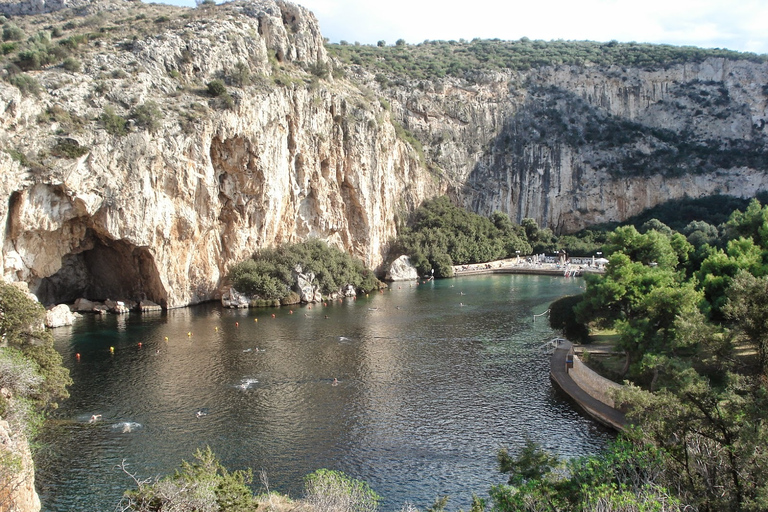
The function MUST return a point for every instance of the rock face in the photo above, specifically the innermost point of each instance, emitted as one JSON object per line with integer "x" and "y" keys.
{"x": 59, "y": 316}
{"x": 574, "y": 146}
{"x": 18, "y": 492}
{"x": 294, "y": 151}
{"x": 231, "y": 298}
{"x": 162, "y": 215}
{"x": 402, "y": 270}
{"x": 306, "y": 284}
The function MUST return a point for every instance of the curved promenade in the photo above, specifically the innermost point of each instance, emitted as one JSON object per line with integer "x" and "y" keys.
{"x": 603, "y": 413}
{"x": 511, "y": 267}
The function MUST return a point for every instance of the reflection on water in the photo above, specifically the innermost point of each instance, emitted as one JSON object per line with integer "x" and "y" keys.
{"x": 413, "y": 390}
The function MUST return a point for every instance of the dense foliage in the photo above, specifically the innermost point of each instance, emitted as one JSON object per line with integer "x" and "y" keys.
{"x": 32, "y": 378}
{"x": 441, "y": 235}
{"x": 30, "y": 368}
{"x": 436, "y": 59}
{"x": 690, "y": 313}
{"x": 269, "y": 275}
{"x": 203, "y": 485}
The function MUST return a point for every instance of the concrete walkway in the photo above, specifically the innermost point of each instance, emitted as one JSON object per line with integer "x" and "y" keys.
{"x": 598, "y": 410}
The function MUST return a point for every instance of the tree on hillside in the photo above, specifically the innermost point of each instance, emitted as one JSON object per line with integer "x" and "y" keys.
{"x": 641, "y": 302}
{"x": 720, "y": 267}
{"x": 747, "y": 307}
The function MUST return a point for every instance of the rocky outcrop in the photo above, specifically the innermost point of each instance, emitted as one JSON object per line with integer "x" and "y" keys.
{"x": 162, "y": 214}
{"x": 401, "y": 269}
{"x": 18, "y": 477}
{"x": 126, "y": 179}
{"x": 59, "y": 316}
{"x": 574, "y": 146}
{"x": 233, "y": 299}
{"x": 307, "y": 286}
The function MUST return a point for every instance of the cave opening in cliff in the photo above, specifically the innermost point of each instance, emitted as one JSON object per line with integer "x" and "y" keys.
{"x": 109, "y": 269}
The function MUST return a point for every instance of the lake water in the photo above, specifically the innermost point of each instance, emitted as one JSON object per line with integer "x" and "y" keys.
{"x": 432, "y": 380}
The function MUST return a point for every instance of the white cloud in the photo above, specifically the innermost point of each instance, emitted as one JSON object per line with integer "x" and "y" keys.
{"x": 736, "y": 25}
{"x": 707, "y": 23}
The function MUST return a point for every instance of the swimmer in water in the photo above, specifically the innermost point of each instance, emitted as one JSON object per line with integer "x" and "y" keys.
{"x": 335, "y": 382}
{"x": 200, "y": 413}
{"x": 94, "y": 417}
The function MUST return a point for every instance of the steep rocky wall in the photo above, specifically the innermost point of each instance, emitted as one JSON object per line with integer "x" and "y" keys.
{"x": 17, "y": 487}
{"x": 573, "y": 146}
{"x": 163, "y": 213}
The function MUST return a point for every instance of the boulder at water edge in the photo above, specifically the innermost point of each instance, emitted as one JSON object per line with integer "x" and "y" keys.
{"x": 402, "y": 270}
{"x": 59, "y": 316}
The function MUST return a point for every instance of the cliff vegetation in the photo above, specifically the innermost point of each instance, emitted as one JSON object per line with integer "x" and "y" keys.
{"x": 271, "y": 275}
{"x": 468, "y": 59}
{"x": 32, "y": 382}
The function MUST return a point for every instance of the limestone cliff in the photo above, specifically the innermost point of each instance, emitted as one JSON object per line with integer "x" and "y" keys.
{"x": 574, "y": 146}
{"x": 128, "y": 176}
{"x": 162, "y": 211}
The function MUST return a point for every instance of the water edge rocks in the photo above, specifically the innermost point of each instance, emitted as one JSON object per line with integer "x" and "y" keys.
{"x": 402, "y": 270}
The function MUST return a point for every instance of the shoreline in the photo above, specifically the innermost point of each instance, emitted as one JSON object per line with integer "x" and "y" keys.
{"x": 594, "y": 408}
{"x": 511, "y": 266}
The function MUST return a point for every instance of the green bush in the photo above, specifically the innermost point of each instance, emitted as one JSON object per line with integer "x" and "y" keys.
{"x": 333, "y": 491}
{"x": 12, "y": 33}
{"x": 269, "y": 275}
{"x": 113, "y": 123}
{"x": 440, "y": 235}
{"x": 216, "y": 88}
{"x": 435, "y": 59}
{"x": 203, "y": 485}
{"x": 148, "y": 116}
{"x": 26, "y": 84}
{"x": 69, "y": 122}
{"x": 28, "y": 362}
{"x": 29, "y": 60}
{"x": 563, "y": 318}
{"x": 71, "y": 64}
{"x": 69, "y": 148}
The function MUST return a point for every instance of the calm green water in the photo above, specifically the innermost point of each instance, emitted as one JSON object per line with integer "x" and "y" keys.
{"x": 432, "y": 380}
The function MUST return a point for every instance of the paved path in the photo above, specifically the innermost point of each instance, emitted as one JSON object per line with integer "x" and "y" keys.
{"x": 595, "y": 408}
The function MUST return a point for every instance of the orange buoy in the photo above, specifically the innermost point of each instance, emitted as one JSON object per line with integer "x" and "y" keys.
{"x": 139, "y": 344}
{"x": 77, "y": 356}
{"x": 237, "y": 324}
{"x": 112, "y": 350}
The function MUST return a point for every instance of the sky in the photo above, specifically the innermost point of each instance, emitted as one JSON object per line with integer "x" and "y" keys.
{"x": 740, "y": 25}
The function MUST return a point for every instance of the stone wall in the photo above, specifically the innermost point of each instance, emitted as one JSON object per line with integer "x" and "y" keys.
{"x": 597, "y": 386}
